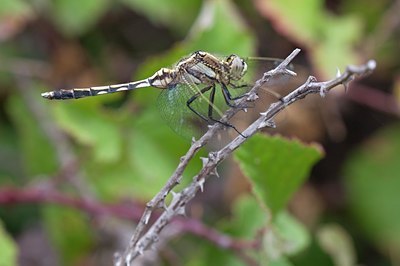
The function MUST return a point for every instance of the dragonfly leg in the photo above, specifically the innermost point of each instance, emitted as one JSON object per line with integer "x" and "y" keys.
{"x": 271, "y": 92}
{"x": 193, "y": 98}
{"x": 240, "y": 87}
{"x": 211, "y": 103}
{"x": 210, "y": 113}
{"x": 210, "y": 109}
{"x": 228, "y": 97}
{"x": 233, "y": 86}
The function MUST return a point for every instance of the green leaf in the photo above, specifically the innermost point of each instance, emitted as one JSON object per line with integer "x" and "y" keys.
{"x": 276, "y": 167}
{"x": 177, "y": 14}
{"x": 74, "y": 17}
{"x": 331, "y": 40}
{"x": 337, "y": 49}
{"x": 150, "y": 153}
{"x": 285, "y": 237}
{"x": 282, "y": 261}
{"x": 248, "y": 217}
{"x": 371, "y": 11}
{"x": 297, "y": 19}
{"x": 210, "y": 33}
{"x": 9, "y": 8}
{"x": 115, "y": 180}
{"x": 153, "y": 164}
{"x": 92, "y": 127}
{"x": 70, "y": 232}
{"x": 373, "y": 184}
{"x": 313, "y": 254}
{"x": 337, "y": 242}
{"x": 39, "y": 157}
{"x": 294, "y": 233}
{"x": 207, "y": 254}
{"x": 220, "y": 29}
{"x": 153, "y": 158}
{"x": 10, "y": 153}
{"x": 8, "y": 249}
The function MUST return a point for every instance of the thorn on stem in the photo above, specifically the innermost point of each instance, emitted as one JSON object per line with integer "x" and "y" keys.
{"x": 346, "y": 86}
{"x": 269, "y": 123}
{"x": 338, "y": 74}
{"x": 212, "y": 156}
{"x": 147, "y": 218}
{"x": 371, "y": 64}
{"x": 162, "y": 205}
{"x": 174, "y": 195}
{"x": 155, "y": 239}
{"x": 290, "y": 72}
{"x": 252, "y": 97}
{"x": 204, "y": 160}
{"x": 201, "y": 182}
{"x": 214, "y": 172}
{"x": 117, "y": 258}
{"x": 139, "y": 250}
{"x": 128, "y": 258}
{"x": 322, "y": 91}
{"x": 182, "y": 211}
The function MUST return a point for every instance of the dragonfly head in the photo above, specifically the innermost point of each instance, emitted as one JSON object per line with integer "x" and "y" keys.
{"x": 237, "y": 67}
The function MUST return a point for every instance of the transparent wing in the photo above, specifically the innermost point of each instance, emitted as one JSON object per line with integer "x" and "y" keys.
{"x": 172, "y": 105}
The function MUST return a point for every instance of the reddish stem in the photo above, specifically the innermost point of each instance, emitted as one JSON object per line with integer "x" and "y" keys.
{"x": 125, "y": 210}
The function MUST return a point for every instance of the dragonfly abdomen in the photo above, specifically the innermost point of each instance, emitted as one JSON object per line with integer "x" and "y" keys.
{"x": 163, "y": 78}
{"x": 93, "y": 91}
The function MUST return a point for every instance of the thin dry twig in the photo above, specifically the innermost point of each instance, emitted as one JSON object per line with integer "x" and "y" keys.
{"x": 142, "y": 241}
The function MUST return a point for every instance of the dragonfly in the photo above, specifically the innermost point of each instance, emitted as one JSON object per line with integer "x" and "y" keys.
{"x": 189, "y": 90}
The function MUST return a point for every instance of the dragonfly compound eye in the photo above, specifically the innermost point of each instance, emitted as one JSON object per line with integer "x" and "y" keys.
{"x": 200, "y": 53}
{"x": 237, "y": 67}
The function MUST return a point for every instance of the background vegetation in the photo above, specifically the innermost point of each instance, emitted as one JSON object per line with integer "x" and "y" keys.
{"x": 75, "y": 175}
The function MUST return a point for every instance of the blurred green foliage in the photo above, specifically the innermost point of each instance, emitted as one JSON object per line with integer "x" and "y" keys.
{"x": 36, "y": 152}
{"x": 330, "y": 39}
{"x": 284, "y": 236}
{"x": 175, "y": 14}
{"x": 70, "y": 232}
{"x": 14, "y": 8}
{"x": 373, "y": 182}
{"x": 8, "y": 249}
{"x": 337, "y": 242}
{"x": 76, "y": 17}
{"x": 125, "y": 150}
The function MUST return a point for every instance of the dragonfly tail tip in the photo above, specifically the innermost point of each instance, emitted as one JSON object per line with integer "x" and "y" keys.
{"x": 47, "y": 95}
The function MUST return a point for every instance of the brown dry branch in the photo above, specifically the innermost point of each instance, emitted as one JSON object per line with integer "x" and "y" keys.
{"x": 142, "y": 240}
